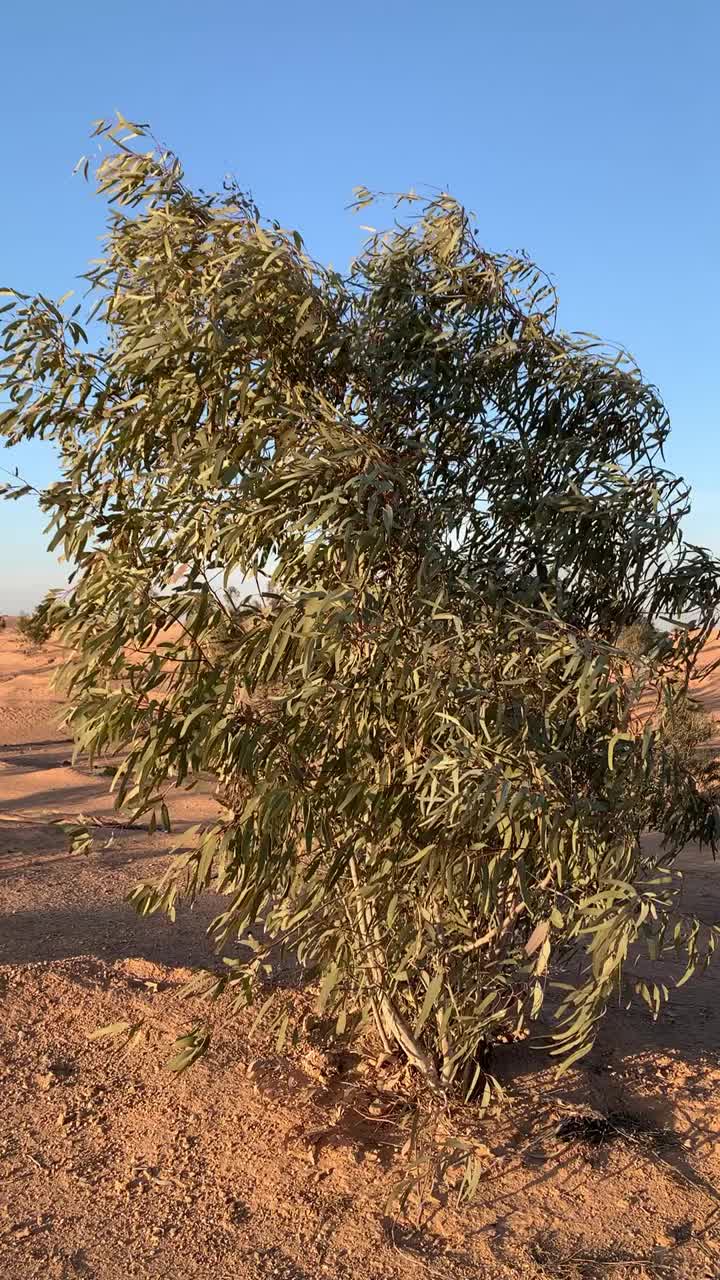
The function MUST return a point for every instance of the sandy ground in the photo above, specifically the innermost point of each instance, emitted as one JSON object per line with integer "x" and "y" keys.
{"x": 257, "y": 1164}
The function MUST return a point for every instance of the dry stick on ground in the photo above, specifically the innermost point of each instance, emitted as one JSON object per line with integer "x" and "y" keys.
{"x": 6, "y": 815}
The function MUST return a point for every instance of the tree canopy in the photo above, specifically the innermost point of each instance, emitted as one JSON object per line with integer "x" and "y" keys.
{"x": 427, "y": 733}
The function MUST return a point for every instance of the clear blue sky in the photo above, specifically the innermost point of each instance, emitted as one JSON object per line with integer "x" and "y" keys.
{"x": 586, "y": 134}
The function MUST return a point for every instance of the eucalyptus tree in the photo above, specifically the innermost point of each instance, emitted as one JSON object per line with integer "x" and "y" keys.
{"x": 428, "y": 740}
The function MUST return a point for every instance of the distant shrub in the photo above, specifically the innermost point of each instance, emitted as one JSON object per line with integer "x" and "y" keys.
{"x": 685, "y": 728}
{"x": 38, "y": 626}
{"x": 222, "y": 639}
{"x": 639, "y": 638}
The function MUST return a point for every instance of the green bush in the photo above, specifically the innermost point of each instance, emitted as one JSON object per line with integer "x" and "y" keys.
{"x": 37, "y": 627}
{"x": 429, "y": 740}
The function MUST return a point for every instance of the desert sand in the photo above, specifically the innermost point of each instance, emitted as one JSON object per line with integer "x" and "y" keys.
{"x": 260, "y": 1164}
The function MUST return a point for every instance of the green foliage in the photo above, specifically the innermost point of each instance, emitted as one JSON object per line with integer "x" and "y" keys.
{"x": 38, "y": 626}
{"x": 426, "y": 731}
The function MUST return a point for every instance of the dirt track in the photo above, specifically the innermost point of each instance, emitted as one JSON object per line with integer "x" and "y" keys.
{"x": 255, "y": 1165}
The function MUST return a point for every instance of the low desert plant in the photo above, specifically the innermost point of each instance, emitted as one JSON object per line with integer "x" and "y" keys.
{"x": 687, "y": 726}
{"x": 686, "y": 729}
{"x": 639, "y": 638}
{"x": 37, "y": 627}
{"x": 431, "y": 741}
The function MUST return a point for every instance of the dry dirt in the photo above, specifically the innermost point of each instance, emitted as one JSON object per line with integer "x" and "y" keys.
{"x": 257, "y": 1164}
